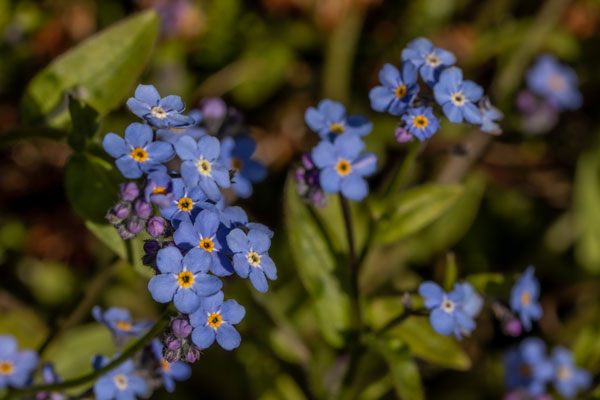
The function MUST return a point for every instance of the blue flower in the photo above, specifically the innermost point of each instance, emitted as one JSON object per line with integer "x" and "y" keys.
{"x": 447, "y": 316}
{"x": 170, "y": 372}
{"x": 205, "y": 235}
{"x": 15, "y": 366}
{"x": 490, "y": 115}
{"x": 250, "y": 257}
{"x": 342, "y": 169}
{"x": 472, "y": 301}
{"x": 429, "y": 60}
{"x": 555, "y": 82}
{"x": 397, "y": 90}
{"x": 120, "y": 383}
{"x": 137, "y": 153}
{"x": 235, "y": 217}
{"x": 49, "y": 376}
{"x": 235, "y": 155}
{"x": 119, "y": 321}
{"x": 527, "y": 367}
{"x": 421, "y": 122}
{"x": 329, "y": 120}
{"x": 457, "y": 96}
{"x": 183, "y": 279}
{"x": 159, "y": 112}
{"x": 215, "y": 319}
{"x": 195, "y": 131}
{"x": 159, "y": 189}
{"x": 185, "y": 204}
{"x": 524, "y": 297}
{"x": 200, "y": 165}
{"x": 568, "y": 379}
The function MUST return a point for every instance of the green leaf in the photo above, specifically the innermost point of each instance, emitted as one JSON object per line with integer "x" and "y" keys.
{"x": 84, "y": 121}
{"x": 109, "y": 236}
{"x": 25, "y": 132}
{"x": 315, "y": 264}
{"x": 425, "y": 343}
{"x": 91, "y": 184}
{"x": 102, "y": 71}
{"x": 409, "y": 212}
{"x": 490, "y": 283}
{"x": 23, "y": 323}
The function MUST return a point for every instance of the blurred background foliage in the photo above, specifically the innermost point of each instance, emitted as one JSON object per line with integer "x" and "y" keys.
{"x": 530, "y": 199}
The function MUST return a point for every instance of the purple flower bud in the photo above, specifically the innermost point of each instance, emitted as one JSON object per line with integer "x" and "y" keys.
{"x": 526, "y": 102}
{"x": 214, "y": 108}
{"x": 192, "y": 356}
{"x": 181, "y": 328}
{"x": 124, "y": 233}
{"x": 135, "y": 227}
{"x": 151, "y": 246}
{"x": 156, "y": 226}
{"x": 513, "y": 327}
{"x": 307, "y": 161}
{"x": 122, "y": 210}
{"x": 402, "y": 135}
{"x": 129, "y": 191}
{"x": 142, "y": 209}
{"x": 173, "y": 343}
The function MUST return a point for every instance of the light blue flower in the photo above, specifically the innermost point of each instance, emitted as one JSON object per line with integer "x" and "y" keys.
{"x": 235, "y": 155}
{"x": 120, "y": 383}
{"x": 447, "y": 316}
{"x": 568, "y": 379}
{"x": 159, "y": 112}
{"x": 170, "y": 372}
{"x": 457, "y": 97}
{"x": 159, "y": 189}
{"x": 421, "y": 122}
{"x": 528, "y": 367}
{"x": 472, "y": 302}
{"x": 490, "y": 116}
{"x": 554, "y": 81}
{"x": 524, "y": 297}
{"x": 119, "y": 321}
{"x": 16, "y": 366}
{"x": 251, "y": 258}
{"x": 397, "y": 90}
{"x": 429, "y": 60}
{"x": 329, "y": 120}
{"x": 185, "y": 204}
{"x": 171, "y": 135}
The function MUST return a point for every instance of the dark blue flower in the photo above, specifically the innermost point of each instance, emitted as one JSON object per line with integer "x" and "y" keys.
{"x": 490, "y": 116}
{"x": 251, "y": 258}
{"x": 183, "y": 279}
{"x": 421, "y": 122}
{"x": 397, "y": 91}
{"x": 159, "y": 112}
{"x": 159, "y": 189}
{"x": 568, "y": 379}
{"x": 137, "y": 153}
{"x": 119, "y": 321}
{"x": 185, "y": 205}
{"x": 235, "y": 155}
{"x": 457, "y": 97}
{"x": 15, "y": 366}
{"x": 429, "y": 60}
{"x": 554, "y": 81}
{"x": 205, "y": 234}
{"x": 201, "y": 166}
{"x": 447, "y": 316}
{"x": 215, "y": 319}
{"x": 524, "y": 297}
{"x": 170, "y": 372}
{"x": 195, "y": 131}
{"x": 329, "y": 120}
{"x": 527, "y": 367}
{"x": 120, "y": 383}
{"x": 342, "y": 168}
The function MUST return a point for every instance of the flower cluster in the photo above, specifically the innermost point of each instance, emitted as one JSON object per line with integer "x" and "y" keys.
{"x": 336, "y": 164}
{"x": 130, "y": 215}
{"x": 460, "y": 100}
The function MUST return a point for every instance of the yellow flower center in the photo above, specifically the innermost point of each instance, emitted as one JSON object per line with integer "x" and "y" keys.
{"x": 120, "y": 381}
{"x": 343, "y": 167}
{"x": 123, "y": 325}
{"x": 214, "y": 320}
{"x": 185, "y": 279}
{"x": 433, "y": 60}
{"x": 253, "y": 258}
{"x": 165, "y": 365}
{"x": 337, "y": 128}
{"x": 236, "y": 164}
{"x": 400, "y": 91}
{"x": 158, "y": 112}
{"x": 207, "y": 244}
{"x": 6, "y": 368}
{"x": 204, "y": 167}
{"x": 458, "y": 99}
{"x": 563, "y": 373}
{"x": 139, "y": 154}
{"x": 185, "y": 204}
{"x": 556, "y": 83}
{"x": 159, "y": 190}
{"x": 525, "y": 298}
{"x": 420, "y": 121}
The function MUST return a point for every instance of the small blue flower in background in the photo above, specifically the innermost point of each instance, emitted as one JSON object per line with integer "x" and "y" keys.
{"x": 119, "y": 321}
{"x": 250, "y": 257}
{"x": 185, "y": 205}
{"x": 159, "y": 189}
{"x": 235, "y": 155}
{"x": 204, "y": 234}
{"x": 342, "y": 168}
{"x": 524, "y": 297}
{"x": 137, "y": 153}
{"x": 235, "y": 217}
{"x": 556, "y": 82}
{"x": 447, "y": 316}
{"x": 200, "y": 165}
{"x": 170, "y": 372}
{"x": 215, "y": 319}
{"x": 527, "y": 367}
{"x": 397, "y": 91}
{"x": 568, "y": 379}
{"x": 120, "y": 383}
{"x": 457, "y": 97}
{"x": 329, "y": 120}
{"x": 49, "y": 376}
{"x": 490, "y": 116}
{"x": 472, "y": 302}
{"x": 421, "y": 122}
{"x": 159, "y": 112}
{"x": 195, "y": 131}
{"x": 429, "y": 60}
{"x": 183, "y": 279}
{"x": 15, "y": 366}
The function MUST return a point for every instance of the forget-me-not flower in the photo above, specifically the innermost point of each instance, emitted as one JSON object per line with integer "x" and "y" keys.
{"x": 447, "y": 316}
{"x": 186, "y": 203}
{"x": 251, "y": 258}
{"x": 15, "y": 366}
{"x": 159, "y": 189}
{"x": 556, "y": 82}
{"x": 429, "y": 60}
{"x": 490, "y": 116}
{"x": 159, "y": 112}
{"x": 235, "y": 155}
{"x": 329, "y": 120}
{"x": 457, "y": 97}
{"x": 472, "y": 302}
{"x": 528, "y": 367}
{"x": 524, "y": 297}
{"x": 397, "y": 89}
{"x": 119, "y": 321}
{"x": 568, "y": 379}
{"x": 421, "y": 122}
{"x": 170, "y": 372}
{"x": 120, "y": 383}
{"x": 195, "y": 131}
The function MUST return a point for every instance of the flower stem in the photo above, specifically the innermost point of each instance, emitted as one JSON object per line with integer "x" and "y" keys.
{"x": 54, "y": 387}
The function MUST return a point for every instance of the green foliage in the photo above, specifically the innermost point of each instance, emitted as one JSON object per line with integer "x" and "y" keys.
{"x": 54, "y": 283}
{"x": 84, "y": 123}
{"x": 403, "y": 369}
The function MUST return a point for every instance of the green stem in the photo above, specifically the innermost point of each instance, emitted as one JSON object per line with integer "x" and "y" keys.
{"x": 407, "y": 313}
{"x": 399, "y": 178}
{"x": 352, "y": 260}
{"x": 55, "y": 387}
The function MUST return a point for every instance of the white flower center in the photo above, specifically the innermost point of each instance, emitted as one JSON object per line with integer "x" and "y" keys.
{"x": 433, "y": 60}
{"x": 120, "y": 381}
{"x": 458, "y": 99}
{"x": 158, "y": 112}
{"x": 448, "y": 305}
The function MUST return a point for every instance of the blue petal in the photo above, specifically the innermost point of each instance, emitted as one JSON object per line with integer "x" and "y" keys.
{"x": 421, "y": 45}
{"x": 452, "y": 77}
{"x": 189, "y": 173}
{"x": 332, "y": 110}
{"x": 209, "y": 147}
{"x": 129, "y": 167}
{"x": 348, "y": 145}
{"x": 228, "y": 337}
{"x": 315, "y": 120}
{"x": 114, "y": 145}
{"x": 354, "y": 187}
{"x": 220, "y": 175}
{"x": 238, "y": 241}
{"x": 472, "y": 91}
{"x": 365, "y": 164}
{"x": 160, "y": 151}
{"x": 259, "y": 241}
{"x": 138, "y": 135}
{"x": 115, "y": 314}
{"x": 324, "y": 154}
{"x": 381, "y": 97}
{"x": 268, "y": 267}
{"x": 442, "y": 322}
{"x": 409, "y": 74}
{"x": 138, "y": 107}
{"x": 441, "y": 93}
{"x": 186, "y": 148}
{"x": 258, "y": 279}
{"x": 232, "y": 312}
{"x": 180, "y": 371}
{"x": 197, "y": 260}
{"x": 162, "y": 287}
{"x": 240, "y": 265}
{"x": 242, "y": 186}
{"x": 433, "y": 294}
{"x": 212, "y": 303}
{"x": 330, "y": 180}
{"x": 446, "y": 57}
{"x": 358, "y": 125}
{"x": 221, "y": 265}
{"x": 203, "y": 336}
{"x": 452, "y": 112}
{"x": 186, "y": 300}
{"x": 148, "y": 94}
{"x": 254, "y": 171}
{"x": 471, "y": 113}
{"x": 389, "y": 76}
{"x": 207, "y": 223}
{"x": 8, "y": 345}
{"x": 136, "y": 384}
{"x": 186, "y": 236}
{"x": 207, "y": 285}
{"x": 172, "y": 103}
{"x": 168, "y": 260}
{"x": 210, "y": 189}
{"x": 104, "y": 388}
{"x": 244, "y": 147}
